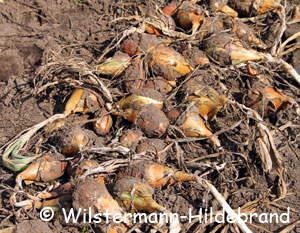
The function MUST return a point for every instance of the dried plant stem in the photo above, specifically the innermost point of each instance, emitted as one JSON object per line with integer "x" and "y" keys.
{"x": 281, "y": 30}
{"x": 7, "y": 229}
{"x": 268, "y": 152}
{"x": 293, "y": 21}
{"x": 59, "y": 64}
{"x": 32, "y": 130}
{"x": 19, "y": 162}
{"x": 108, "y": 166}
{"x": 125, "y": 34}
{"x": 293, "y": 37}
{"x": 103, "y": 150}
{"x": 290, "y": 227}
{"x": 102, "y": 87}
{"x": 287, "y": 67}
{"x": 291, "y": 49}
{"x": 232, "y": 214}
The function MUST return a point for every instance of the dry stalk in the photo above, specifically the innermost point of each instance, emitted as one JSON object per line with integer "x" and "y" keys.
{"x": 103, "y": 150}
{"x": 105, "y": 167}
{"x": 125, "y": 34}
{"x": 179, "y": 156}
{"x": 280, "y": 49}
{"x": 290, "y": 227}
{"x": 282, "y": 29}
{"x": 287, "y": 67}
{"x": 7, "y": 229}
{"x": 293, "y": 21}
{"x": 10, "y": 157}
{"x": 59, "y": 64}
{"x": 262, "y": 229}
{"x": 231, "y": 213}
{"x": 291, "y": 49}
{"x": 268, "y": 152}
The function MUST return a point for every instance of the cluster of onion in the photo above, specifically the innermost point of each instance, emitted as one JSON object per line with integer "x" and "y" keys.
{"x": 144, "y": 106}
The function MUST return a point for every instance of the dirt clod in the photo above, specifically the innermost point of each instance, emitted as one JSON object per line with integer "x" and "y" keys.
{"x": 11, "y": 64}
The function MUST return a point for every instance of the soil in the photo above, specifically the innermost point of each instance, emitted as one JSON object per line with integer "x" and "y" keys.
{"x": 154, "y": 146}
{"x": 32, "y": 226}
{"x": 48, "y": 47}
